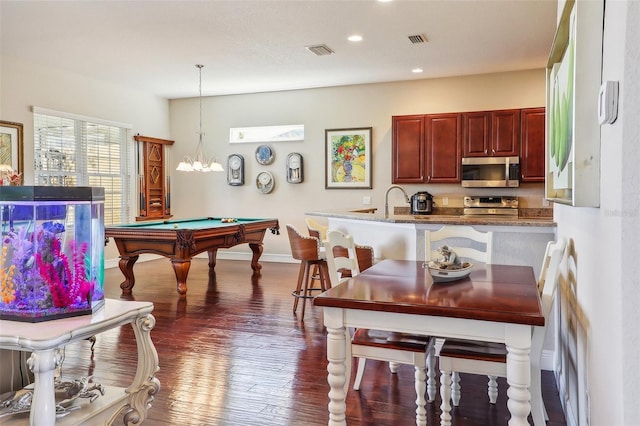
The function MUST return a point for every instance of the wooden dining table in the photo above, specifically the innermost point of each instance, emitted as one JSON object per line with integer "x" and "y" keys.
{"x": 494, "y": 303}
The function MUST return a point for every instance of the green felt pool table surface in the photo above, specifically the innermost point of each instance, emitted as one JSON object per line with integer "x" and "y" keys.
{"x": 193, "y": 224}
{"x": 180, "y": 240}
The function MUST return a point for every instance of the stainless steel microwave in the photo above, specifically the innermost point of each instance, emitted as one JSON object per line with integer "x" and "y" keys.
{"x": 491, "y": 172}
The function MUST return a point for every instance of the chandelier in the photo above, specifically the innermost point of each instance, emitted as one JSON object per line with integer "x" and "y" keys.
{"x": 200, "y": 162}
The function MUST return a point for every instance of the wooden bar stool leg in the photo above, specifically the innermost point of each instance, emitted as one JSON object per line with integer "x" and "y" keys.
{"x": 296, "y": 293}
{"x": 305, "y": 293}
{"x": 325, "y": 281}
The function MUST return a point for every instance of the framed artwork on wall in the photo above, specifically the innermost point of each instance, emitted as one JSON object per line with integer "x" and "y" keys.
{"x": 572, "y": 173}
{"x": 348, "y": 158}
{"x": 12, "y": 145}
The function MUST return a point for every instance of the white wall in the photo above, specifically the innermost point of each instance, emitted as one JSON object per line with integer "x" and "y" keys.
{"x": 606, "y": 238}
{"x": 320, "y": 109}
{"x": 26, "y": 85}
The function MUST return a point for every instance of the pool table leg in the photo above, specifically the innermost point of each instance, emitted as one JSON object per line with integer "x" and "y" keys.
{"x": 257, "y": 252}
{"x": 181, "y": 269}
{"x": 126, "y": 266}
{"x": 212, "y": 259}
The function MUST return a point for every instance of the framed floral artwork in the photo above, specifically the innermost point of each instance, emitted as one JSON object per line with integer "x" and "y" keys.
{"x": 11, "y": 145}
{"x": 348, "y": 158}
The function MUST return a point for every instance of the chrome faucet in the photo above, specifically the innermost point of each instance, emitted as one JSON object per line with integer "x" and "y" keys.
{"x": 386, "y": 199}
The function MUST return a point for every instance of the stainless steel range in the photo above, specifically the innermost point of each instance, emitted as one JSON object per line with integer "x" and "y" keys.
{"x": 493, "y": 206}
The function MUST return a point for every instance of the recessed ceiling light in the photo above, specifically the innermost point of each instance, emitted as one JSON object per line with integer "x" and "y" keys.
{"x": 417, "y": 70}
{"x": 354, "y": 37}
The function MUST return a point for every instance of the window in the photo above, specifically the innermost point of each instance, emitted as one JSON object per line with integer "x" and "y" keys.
{"x": 287, "y": 133}
{"x": 72, "y": 150}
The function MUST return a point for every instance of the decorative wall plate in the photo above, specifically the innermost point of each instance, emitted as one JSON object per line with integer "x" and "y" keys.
{"x": 264, "y": 154}
{"x": 264, "y": 182}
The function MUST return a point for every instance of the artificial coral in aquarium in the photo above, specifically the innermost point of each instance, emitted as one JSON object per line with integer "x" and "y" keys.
{"x": 41, "y": 279}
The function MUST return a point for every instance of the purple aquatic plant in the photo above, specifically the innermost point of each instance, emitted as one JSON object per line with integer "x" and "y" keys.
{"x": 30, "y": 292}
{"x": 67, "y": 287}
{"x": 44, "y": 276}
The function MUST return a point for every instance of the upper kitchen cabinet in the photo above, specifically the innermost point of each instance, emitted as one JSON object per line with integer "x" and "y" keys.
{"x": 426, "y": 148}
{"x": 443, "y": 134}
{"x": 532, "y": 144}
{"x": 408, "y": 149}
{"x": 491, "y": 133}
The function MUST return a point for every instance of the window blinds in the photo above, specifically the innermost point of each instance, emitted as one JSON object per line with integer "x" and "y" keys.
{"x": 74, "y": 150}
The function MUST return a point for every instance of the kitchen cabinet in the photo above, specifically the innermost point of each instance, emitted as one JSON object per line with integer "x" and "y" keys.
{"x": 426, "y": 148}
{"x": 443, "y": 140}
{"x": 532, "y": 141}
{"x": 491, "y": 133}
{"x": 408, "y": 149}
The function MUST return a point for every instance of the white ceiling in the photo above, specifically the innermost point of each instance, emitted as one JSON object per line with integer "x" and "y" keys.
{"x": 258, "y": 46}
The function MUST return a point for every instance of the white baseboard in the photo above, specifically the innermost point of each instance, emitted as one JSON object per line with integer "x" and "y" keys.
{"x": 223, "y": 254}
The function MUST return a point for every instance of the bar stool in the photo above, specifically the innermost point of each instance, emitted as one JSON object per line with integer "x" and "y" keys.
{"x": 306, "y": 249}
{"x": 320, "y": 232}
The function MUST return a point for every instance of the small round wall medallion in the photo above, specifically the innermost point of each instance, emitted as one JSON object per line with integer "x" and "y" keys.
{"x": 264, "y": 182}
{"x": 264, "y": 155}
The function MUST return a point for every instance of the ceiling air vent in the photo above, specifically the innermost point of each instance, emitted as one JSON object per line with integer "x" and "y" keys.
{"x": 418, "y": 38}
{"x": 320, "y": 49}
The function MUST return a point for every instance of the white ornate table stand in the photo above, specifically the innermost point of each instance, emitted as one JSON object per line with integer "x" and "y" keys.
{"x": 145, "y": 385}
{"x": 44, "y": 339}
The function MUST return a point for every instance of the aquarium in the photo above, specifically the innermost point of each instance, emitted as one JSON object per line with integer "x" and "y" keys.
{"x": 52, "y": 257}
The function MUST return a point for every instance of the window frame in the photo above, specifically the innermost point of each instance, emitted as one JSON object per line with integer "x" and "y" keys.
{"x": 82, "y": 145}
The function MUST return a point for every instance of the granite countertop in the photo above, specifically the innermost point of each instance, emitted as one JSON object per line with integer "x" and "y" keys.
{"x": 526, "y": 217}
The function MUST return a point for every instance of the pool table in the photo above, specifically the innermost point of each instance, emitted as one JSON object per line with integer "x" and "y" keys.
{"x": 180, "y": 240}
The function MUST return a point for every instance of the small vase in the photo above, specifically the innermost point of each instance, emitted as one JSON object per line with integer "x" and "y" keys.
{"x": 347, "y": 167}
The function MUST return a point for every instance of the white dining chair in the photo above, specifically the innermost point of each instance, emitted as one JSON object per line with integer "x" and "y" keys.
{"x": 466, "y": 241}
{"x": 489, "y": 358}
{"x": 395, "y": 348}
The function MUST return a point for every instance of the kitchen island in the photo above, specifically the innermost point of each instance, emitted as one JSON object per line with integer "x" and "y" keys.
{"x": 516, "y": 240}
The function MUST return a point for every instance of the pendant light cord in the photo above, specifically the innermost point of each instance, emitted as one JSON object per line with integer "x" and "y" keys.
{"x": 200, "y": 92}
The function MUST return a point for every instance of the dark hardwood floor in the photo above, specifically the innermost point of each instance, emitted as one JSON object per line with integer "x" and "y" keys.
{"x": 233, "y": 353}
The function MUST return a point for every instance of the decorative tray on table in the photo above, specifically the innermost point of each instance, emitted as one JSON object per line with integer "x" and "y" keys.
{"x": 444, "y": 274}
{"x": 449, "y": 268}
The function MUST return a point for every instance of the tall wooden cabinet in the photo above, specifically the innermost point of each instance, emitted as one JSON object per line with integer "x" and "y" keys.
{"x": 154, "y": 187}
{"x": 426, "y": 148}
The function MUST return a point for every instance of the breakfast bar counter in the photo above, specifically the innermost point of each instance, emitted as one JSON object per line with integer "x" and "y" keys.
{"x": 517, "y": 240}
{"x": 448, "y": 219}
